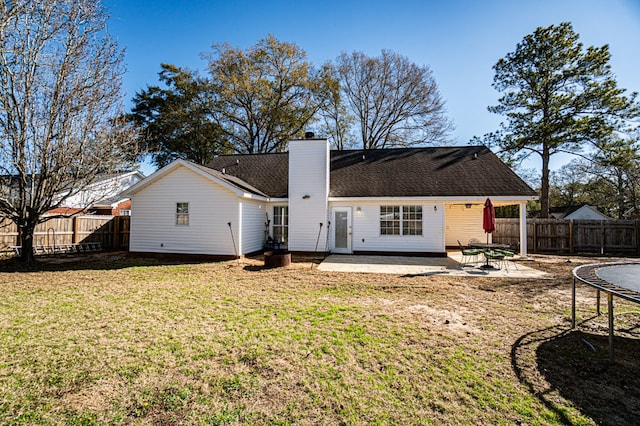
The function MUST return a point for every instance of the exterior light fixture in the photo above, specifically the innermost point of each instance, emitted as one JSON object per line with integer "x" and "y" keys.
{"x": 306, "y": 197}
{"x": 358, "y": 210}
{"x": 468, "y": 205}
{"x": 435, "y": 208}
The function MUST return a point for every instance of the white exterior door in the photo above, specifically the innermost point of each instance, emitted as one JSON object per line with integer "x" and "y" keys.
{"x": 341, "y": 235}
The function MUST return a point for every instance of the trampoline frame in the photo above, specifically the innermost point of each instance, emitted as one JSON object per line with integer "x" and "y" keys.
{"x": 587, "y": 275}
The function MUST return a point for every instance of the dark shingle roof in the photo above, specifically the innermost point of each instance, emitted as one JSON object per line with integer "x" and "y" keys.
{"x": 233, "y": 180}
{"x": 266, "y": 172}
{"x": 399, "y": 172}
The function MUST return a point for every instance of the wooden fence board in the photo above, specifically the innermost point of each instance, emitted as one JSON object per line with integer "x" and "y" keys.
{"x": 70, "y": 230}
{"x": 8, "y": 234}
{"x": 615, "y": 237}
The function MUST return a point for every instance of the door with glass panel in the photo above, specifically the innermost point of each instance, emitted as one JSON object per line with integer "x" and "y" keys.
{"x": 341, "y": 229}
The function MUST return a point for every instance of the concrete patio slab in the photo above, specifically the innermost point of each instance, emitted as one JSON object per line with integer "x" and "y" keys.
{"x": 401, "y": 265}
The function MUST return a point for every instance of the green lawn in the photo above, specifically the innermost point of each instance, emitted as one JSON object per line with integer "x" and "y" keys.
{"x": 134, "y": 341}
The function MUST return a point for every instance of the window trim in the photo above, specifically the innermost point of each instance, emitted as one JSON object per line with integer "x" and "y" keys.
{"x": 182, "y": 214}
{"x": 404, "y": 220}
{"x": 409, "y": 217}
{"x": 392, "y": 224}
{"x": 284, "y": 226}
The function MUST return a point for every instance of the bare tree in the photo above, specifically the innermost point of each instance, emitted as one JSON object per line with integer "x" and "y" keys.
{"x": 396, "y": 102}
{"x": 266, "y": 94}
{"x": 59, "y": 93}
{"x": 335, "y": 121}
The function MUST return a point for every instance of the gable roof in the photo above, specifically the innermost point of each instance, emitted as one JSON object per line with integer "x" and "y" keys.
{"x": 587, "y": 211}
{"x": 233, "y": 183}
{"x": 560, "y": 212}
{"x": 230, "y": 179}
{"x": 581, "y": 211}
{"x": 397, "y": 172}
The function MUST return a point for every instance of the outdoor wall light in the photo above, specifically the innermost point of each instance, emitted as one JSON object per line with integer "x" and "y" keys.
{"x": 306, "y": 197}
{"x": 435, "y": 208}
{"x": 468, "y": 205}
{"x": 358, "y": 210}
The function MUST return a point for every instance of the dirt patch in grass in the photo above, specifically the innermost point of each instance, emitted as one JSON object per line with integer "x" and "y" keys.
{"x": 110, "y": 339}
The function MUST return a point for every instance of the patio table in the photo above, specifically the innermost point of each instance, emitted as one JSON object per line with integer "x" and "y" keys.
{"x": 488, "y": 247}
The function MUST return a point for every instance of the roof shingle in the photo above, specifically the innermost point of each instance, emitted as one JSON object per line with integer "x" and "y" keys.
{"x": 398, "y": 172}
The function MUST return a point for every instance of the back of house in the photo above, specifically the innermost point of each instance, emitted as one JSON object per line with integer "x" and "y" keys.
{"x": 415, "y": 201}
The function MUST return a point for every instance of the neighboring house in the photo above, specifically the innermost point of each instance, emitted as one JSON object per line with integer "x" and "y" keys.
{"x": 103, "y": 196}
{"x": 393, "y": 201}
{"x": 583, "y": 212}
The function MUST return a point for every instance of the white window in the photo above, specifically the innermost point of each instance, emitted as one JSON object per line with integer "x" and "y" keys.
{"x": 412, "y": 220}
{"x": 182, "y": 213}
{"x": 389, "y": 220}
{"x": 400, "y": 220}
{"x": 125, "y": 212}
{"x": 281, "y": 224}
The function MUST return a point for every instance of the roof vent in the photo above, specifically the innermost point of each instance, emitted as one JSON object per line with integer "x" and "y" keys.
{"x": 309, "y": 135}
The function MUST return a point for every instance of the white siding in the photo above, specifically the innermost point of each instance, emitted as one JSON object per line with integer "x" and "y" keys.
{"x": 587, "y": 213}
{"x": 211, "y": 208}
{"x": 366, "y": 229}
{"x": 253, "y": 226}
{"x": 102, "y": 190}
{"x": 462, "y": 223}
{"x": 308, "y": 176}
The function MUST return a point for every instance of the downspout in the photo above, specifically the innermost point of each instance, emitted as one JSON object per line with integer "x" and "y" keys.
{"x": 240, "y": 251}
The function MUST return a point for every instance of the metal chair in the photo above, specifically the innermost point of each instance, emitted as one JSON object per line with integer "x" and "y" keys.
{"x": 469, "y": 254}
{"x": 508, "y": 254}
{"x": 498, "y": 259}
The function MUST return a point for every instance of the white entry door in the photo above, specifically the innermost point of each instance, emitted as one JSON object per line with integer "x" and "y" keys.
{"x": 341, "y": 235}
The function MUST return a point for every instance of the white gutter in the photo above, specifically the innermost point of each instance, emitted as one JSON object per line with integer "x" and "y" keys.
{"x": 446, "y": 200}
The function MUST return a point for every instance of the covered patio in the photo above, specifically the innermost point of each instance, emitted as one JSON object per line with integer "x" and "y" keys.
{"x": 464, "y": 221}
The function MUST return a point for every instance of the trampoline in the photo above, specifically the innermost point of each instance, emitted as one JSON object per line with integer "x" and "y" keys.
{"x": 621, "y": 279}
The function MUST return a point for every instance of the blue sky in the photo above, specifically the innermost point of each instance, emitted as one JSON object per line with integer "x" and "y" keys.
{"x": 459, "y": 40}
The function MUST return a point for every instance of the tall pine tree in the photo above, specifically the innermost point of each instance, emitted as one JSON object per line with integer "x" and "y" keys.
{"x": 557, "y": 97}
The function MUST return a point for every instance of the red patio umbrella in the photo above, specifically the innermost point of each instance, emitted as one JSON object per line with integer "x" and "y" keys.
{"x": 488, "y": 218}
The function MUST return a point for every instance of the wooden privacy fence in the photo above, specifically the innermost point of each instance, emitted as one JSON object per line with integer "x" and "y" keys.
{"x": 602, "y": 237}
{"x": 112, "y": 232}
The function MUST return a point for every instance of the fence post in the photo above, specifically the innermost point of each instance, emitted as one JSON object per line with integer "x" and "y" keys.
{"x": 603, "y": 235}
{"x": 116, "y": 233}
{"x": 74, "y": 239}
{"x": 637, "y": 231}
{"x": 535, "y": 237}
{"x": 571, "y": 243}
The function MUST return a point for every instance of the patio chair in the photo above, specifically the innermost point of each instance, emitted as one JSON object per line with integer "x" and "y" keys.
{"x": 508, "y": 254}
{"x": 497, "y": 258}
{"x": 474, "y": 241}
{"x": 470, "y": 254}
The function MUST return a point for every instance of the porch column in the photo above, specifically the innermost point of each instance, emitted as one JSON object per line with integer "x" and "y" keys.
{"x": 523, "y": 230}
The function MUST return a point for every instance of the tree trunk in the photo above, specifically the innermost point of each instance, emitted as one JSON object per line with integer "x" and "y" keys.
{"x": 544, "y": 187}
{"x": 26, "y": 232}
{"x": 621, "y": 195}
